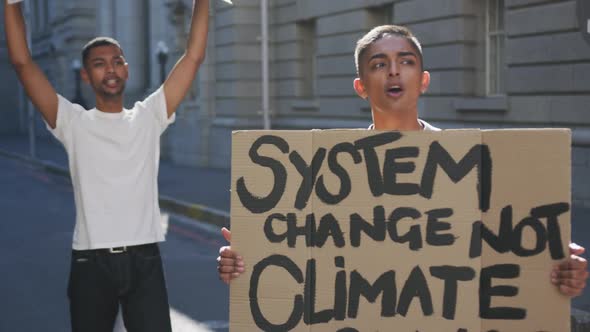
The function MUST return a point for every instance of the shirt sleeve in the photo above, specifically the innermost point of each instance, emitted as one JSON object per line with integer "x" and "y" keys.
{"x": 155, "y": 104}
{"x": 66, "y": 112}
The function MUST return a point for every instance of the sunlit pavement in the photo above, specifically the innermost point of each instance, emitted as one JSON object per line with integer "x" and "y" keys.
{"x": 35, "y": 241}
{"x": 183, "y": 323}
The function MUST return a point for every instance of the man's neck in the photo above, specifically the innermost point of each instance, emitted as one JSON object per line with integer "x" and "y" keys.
{"x": 385, "y": 121}
{"x": 109, "y": 105}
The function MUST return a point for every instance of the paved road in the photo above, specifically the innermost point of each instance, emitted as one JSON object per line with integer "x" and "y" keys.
{"x": 37, "y": 215}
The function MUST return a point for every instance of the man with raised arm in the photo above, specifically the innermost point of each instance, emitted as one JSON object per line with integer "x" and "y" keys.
{"x": 391, "y": 77}
{"x": 113, "y": 159}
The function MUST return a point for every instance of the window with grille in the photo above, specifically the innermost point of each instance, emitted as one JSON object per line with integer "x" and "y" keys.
{"x": 308, "y": 53}
{"x": 495, "y": 44}
{"x": 380, "y": 15}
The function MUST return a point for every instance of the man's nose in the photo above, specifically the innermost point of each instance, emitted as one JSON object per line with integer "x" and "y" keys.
{"x": 393, "y": 70}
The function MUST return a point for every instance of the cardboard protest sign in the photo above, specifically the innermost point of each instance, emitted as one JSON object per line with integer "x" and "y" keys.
{"x": 360, "y": 230}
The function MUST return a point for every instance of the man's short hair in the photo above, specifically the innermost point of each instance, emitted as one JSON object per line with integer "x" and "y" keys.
{"x": 378, "y": 33}
{"x": 96, "y": 42}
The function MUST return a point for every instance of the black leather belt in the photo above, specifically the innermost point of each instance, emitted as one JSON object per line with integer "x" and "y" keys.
{"x": 120, "y": 250}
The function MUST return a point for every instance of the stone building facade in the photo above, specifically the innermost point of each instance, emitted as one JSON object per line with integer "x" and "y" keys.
{"x": 494, "y": 64}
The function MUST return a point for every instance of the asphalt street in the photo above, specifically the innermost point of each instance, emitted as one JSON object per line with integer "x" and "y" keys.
{"x": 35, "y": 245}
{"x": 37, "y": 214}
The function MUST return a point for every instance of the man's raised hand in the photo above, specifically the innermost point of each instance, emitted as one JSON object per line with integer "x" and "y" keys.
{"x": 229, "y": 264}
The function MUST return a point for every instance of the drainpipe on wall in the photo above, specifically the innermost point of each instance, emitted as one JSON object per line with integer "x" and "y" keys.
{"x": 265, "y": 64}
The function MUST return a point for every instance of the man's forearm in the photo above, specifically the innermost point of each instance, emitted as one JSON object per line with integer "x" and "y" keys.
{"x": 182, "y": 75}
{"x": 197, "y": 39}
{"x": 16, "y": 35}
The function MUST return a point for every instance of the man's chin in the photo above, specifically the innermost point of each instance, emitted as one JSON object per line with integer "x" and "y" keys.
{"x": 391, "y": 107}
{"x": 111, "y": 94}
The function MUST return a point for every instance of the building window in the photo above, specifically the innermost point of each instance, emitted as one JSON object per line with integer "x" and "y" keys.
{"x": 495, "y": 44}
{"x": 380, "y": 15}
{"x": 308, "y": 55}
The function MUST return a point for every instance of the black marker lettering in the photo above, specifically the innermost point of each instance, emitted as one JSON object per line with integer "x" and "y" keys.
{"x": 376, "y": 230}
{"x": 329, "y": 227}
{"x": 345, "y": 185}
{"x": 478, "y": 156}
{"x": 415, "y": 286}
{"x": 433, "y": 226}
{"x": 368, "y": 145}
{"x": 413, "y": 236}
{"x": 391, "y": 168}
{"x": 384, "y": 285}
{"x": 551, "y": 212}
{"x": 257, "y": 315}
{"x": 308, "y": 175}
{"x": 310, "y": 316}
{"x": 257, "y": 204}
{"x": 486, "y": 291}
{"x": 451, "y": 275}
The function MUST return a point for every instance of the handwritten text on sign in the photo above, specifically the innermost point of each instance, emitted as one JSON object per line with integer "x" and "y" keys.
{"x": 329, "y": 210}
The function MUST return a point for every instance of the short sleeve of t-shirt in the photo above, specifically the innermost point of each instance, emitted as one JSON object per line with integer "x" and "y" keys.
{"x": 66, "y": 112}
{"x": 155, "y": 104}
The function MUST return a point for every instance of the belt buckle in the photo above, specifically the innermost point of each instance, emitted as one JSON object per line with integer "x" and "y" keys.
{"x": 118, "y": 250}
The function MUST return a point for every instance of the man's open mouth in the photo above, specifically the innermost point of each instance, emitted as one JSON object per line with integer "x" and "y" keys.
{"x": 394, "y": 90}
{"x": 111, "y": 83}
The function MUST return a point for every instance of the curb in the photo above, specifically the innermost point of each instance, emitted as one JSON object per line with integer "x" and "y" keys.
{"x": 195, "y": 211}
{"x": 191, "y": 210}
{"x": 580, "y": 320}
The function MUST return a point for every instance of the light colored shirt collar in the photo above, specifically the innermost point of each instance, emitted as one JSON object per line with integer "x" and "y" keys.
{"x": 425, "y": 126}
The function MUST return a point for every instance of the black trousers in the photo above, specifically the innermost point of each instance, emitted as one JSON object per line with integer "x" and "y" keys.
{"x": 101, "y": 280}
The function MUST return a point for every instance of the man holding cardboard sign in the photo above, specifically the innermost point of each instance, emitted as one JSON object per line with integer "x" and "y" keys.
{"x": 113, "y": 159}
{"x": 391, "y": 77}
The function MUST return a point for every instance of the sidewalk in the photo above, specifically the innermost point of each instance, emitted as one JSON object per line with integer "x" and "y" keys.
{"x": 199, "y": 193}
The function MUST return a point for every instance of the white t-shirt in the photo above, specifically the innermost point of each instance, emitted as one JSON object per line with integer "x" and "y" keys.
{"x": 114, "y": 159}
{"x": 425, "y": 126}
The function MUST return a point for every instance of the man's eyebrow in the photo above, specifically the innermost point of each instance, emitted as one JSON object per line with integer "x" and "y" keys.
{"x": 377, "y": 56}
{"x": 407, "y": 53}
{"x": 99, "y": 58}
{"x": 399, "y": 54}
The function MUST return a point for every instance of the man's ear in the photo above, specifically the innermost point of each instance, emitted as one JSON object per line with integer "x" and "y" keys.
{"x": 359, "y": 87}
{"x": 84, "y": 75}
{"x": 425, "y": 81}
